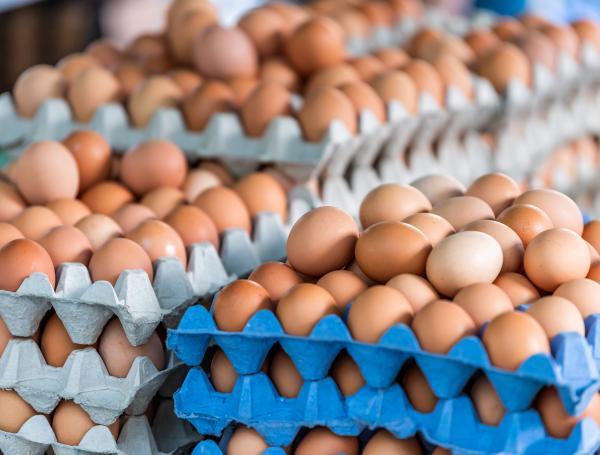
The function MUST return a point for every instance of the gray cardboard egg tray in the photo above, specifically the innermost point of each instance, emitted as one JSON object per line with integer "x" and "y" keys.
{"x": 166, "y": 436}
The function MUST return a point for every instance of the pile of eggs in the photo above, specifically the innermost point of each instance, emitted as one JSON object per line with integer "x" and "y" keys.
{"x": 515, "y": 268}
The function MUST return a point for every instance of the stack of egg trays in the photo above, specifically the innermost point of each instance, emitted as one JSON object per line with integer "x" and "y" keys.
{"x": 573, "y": 368}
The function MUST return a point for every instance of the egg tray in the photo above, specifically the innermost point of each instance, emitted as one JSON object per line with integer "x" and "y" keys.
{"x": 573, "y": 367}
{"x": 211, "y": 448}
{"x": 167, "y": 436}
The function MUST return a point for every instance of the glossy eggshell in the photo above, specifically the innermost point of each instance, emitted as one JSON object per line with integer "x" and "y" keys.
{"x": 159, "y": 240}
{"x": 261, "y": 192}
{"x": 302, "y": 307}
{"x": 483, "y": 302}
{"x": 19, "y": 259}
{"x": 106, "y": 197}
{"x": 238, "y": 302}
{"x": 70, "y": 423}
{"x": 99, "y": 229}
{"x": 518, "y": 288}
{"x": 117, "y": 255}
{"x": 276, "y": 277}
{"x": 526, "y": 220}
{"x": 212, "y": 202}
{"x": 561, "y": 209}
{"x": 509, "y": 241}
{"x": 67, "y": 244}
{"x": 343, "y": 285}
{"x": 498, "y": 190}
{"x": 92, "y": 154}
{"x": 193, "y": 226}
{"x": 433, "y": 226}
{"x": 391, "y": 202}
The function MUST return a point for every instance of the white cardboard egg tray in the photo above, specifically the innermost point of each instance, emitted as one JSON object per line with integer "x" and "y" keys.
{"x": 167, "y": 436}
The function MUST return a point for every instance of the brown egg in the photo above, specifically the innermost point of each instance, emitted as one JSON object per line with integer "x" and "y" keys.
{"x": 322, "y": 240}
{"x": 159, "y": 240}
{"x": 222, "y": 373}
{"x": 197, "y": 181}
{"x": 433, "y": 226}
{"x": 321, "y": 108}
{"x": 583, "y": 293}
{"x": 392, "y": 57}
{"x": 221, "y": 53}
{"x": 375, "y": 310}
{"x": 539, "y": 49}
{"x": 98, "y": 229}
{"x": 482, "y": 41}
{"x": 488, "y": 406}
{"x": 187, "y": 80}
{"x": 267, "y": 101}
{"x": 106, "y": 197}
{"x": 462, "y": 259}
{"x": 503, "y": 64}
{"x": 163, "y": 200}
{"x": 8, "y": 233}
{"x": 510, "y": 242}
{"x": 20, "y": 258}
{"x": 14, "y": 411}
{"x": 55, "y": 343}
{"x": 11, "y": 202}
{"x": 423, "y": 39}
{"x": 154, "y": 93}
{"x": 183, "y": 30}
{"x": 46, "y": 171}
{"x": 379, "y": 12}
{"x": 117, "y": 255}
{"x": 588, "y": 32}
{"x": 518, "y": 288}
{"x": 70, "y": 211}
{"x": 36, "y": 221}
{"x": 315, "y": 44}
{"x": 557, "y": 315}
{"x": 368, "y": 67}
{"x": 246, "y": 441}
{"x": 407, "y": 8}
{"x": 209, "y": 98}
{"x": 331, "y": 76}
{"x": 526, "y": 220}
{"x": 285, "y": 376}
{"x": 153, "y": 164}
{"x": 324, "y": 442}
{"x": 277, "y": 71}
{"x": 150, "y": 52}
{"x": 415, "y": 288}
{"x": 262, "y": 193}
{"x": 73, "y": 64}
{"x": 594, "y": 273}
{"x": 103, "y": 51}
{"x": 90, "y": 90}
{"x": 554, "y": 257}
{"x": 353, "y": 22}
{"x": 242, "y": 87}
{"x": 417, "y": 389}
{"x": 561, "y": 209}
{"x": 513, "y": 337}
{"x": 347, "y": 375}
{"x": 265, "y": 28}
{"x": 497, "y": 190}
{"x": 36, "y": 85}
{"x": 454, "y": 73}
{"x": 384, "y": 443}
{"x": 509, "y": 29}
{"x": 276, "y": 277}
{"x": 364, "y": 98}
{"x": 237, "y": 302}
{"x": 67, "y": 244}
{"x": 463, "y": 210}
{"x": 483, "y": 302}
{"x": 132, "y": 215}
{"x": 70, "y": 424}
{"x": 427, "y": 79}
{"x": 302, "y": 307}
{"x": 437, "y": 188}
{"x": 451, "y": 46}
{"x": 193, "y": 226}
{"x": 130, "y": 76}
{"x": 212, "y": 202}
{"x": 397, "y": 86}
{"x": 293, "y": 14}
{"x": 392, "y": 202}
{"x": 564, "y": 38}
{"x": 343, "y": 285}
{"x": 557, "y": 421}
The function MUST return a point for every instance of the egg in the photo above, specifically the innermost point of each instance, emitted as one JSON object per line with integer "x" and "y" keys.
{"x": 343, "y": 285}
{"x": 132, "y": 215}
{"x": 266, "y": 28}
{"x": 353, "y": 22}
{"x": 193, "y": 226}
{"x": 36, "y": 221}
{"x": 509, "y": 29}
{"x": 483, "y": 302}
{"x": 427, "y": 79}
{"x": 73, "y": 64}
{"x": 163, "y": 200}
{"x": 407, "y": 8}
{"x": 510, "y": 242}
{"x": 150, "y": 51}
{"x": 14, "y": 411}
{"x": 98, "y": 229}
{"x": 389, "y": 248}
{"x": 36, "y": 85}
{"x": 285, "y": 376}
{"x": 440, "y": 325}
{"x": 526, "y": 220}
{"x": 556, "y": 315}
{"x": 237, "y": 215}
{"x": 368, "y": 67}
{"x": 539, "y": 49}
{"x": 299, "y": 318}
{"x": 437, "y": 188}
{"x": 294, "y": 15}
{"x": 8, "y": 233}
{"x": 209, "y": 98}
{"x": 242, "y": 87}
{"x": 219, "y": 170}
{"x": 55, "y": 343}
{"x": 70, "y": 423}
{"x": 331, "y": 76}
{"x": 364, "y": 98}
{"x": 237, "y": 302}
{"x": 462, "y": 259}
{"x": 324, "y": 442}
{"x": 459, "y": 211}
{"x": 594, "y": 273}
{"x": 417, "y": 389}
{"x": 130, "y": 76}
{"x": 482, "y": 41}
{"x": 375, "y": 310}
{"x": 67, "y": 244}
{"x": 594, "y": 255}
{"x": 392, "y": 57}
{"x": 454, "y": 73}
{"x": 433, "y": 226}
{"x": 316, "y": 43}
{"x": 219, "y": 52}
{"x": 384, "y": 443}
{"x": 103, "y": 51}
{"x": 423, "y": 39}
{"x": 184, "y": 29}
{"x": 503, "y": 64}
{"x": 187, "y": 80}
{"x": 20, "y": 258}
{"x": 561, "y": 209}
{"x": 321, "y": 108}
{"x": 588, "y": 32}
{"x": 347, "y": 375}
{"x": 415, "y": 289}
{"x": 245, "y": 441}
{"x": 90, "y": 90}
{"x": 399, "y": 87}
{"x": 276, "y": 277}
{"x": 488, "y": 406}
{"x": 222, "y": 374}
{"x": 322, "y": 240}
{"x": 106, "y": 197}
{"x": 276, "y": 70}
{"x": 380, "y": 13}
{"x": 391, "y": 202}
{"x": 266, "y": 102}
{"x": 564, "y": 38}
{"x": 156, "y": 92}
{"x": 70, "y": 211}
{"x": 496, "y": 189}
{"x": 518, "y": 288}
{"x": 554, "y": 257}
{"x": 11, "y": 202}
{"x": 513, "y": 337}
{"x": 46, "y": 171}
{"x": 583, "y": 293}
{"x": 197, "y": 181}
{"x": 117, "y": 255}
{"x": 159, "y": 240}
{"x": 262, "y": 193}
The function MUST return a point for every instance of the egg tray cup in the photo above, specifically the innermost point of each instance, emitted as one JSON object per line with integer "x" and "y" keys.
{"x": 209, "y": 447}
{"x": 573, "y": 367}
{"x": 167, "y": 436}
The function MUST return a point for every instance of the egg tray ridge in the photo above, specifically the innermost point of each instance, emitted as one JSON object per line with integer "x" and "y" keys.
{"x": 573, "y": 367}
{"x": 85, "y": 307}
{"x": 167, "y": 436}
{"x": 453, "y": 423}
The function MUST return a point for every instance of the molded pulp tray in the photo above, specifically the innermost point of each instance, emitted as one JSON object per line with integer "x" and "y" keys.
{"x": 572, "y": 368}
